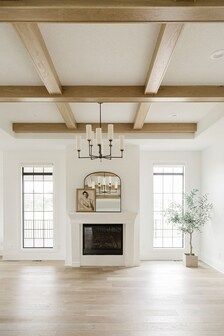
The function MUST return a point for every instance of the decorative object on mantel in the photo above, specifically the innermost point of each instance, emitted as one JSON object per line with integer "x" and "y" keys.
{"x": 108, "y": 190}
{"x": 85, "y": 200}
{"x": 97, "y": 146}
{"x": 190, "y": 217}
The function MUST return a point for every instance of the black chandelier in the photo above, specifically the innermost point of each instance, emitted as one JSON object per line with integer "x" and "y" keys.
{"x": 95, "y": 140}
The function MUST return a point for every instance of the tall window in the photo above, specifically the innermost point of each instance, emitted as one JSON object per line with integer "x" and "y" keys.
{"x": 168, "y": 187}
{"x": 37, "y": 206}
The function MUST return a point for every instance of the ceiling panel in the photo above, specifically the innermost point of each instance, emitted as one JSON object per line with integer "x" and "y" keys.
{"x": 89, "y": 112}
{"x": 16, "y": 67}
{"x": 181, "y": 112}
{"x": 29, "y": 112}
{"x": 101, "y": 54}
{"x": 191, "y": 63}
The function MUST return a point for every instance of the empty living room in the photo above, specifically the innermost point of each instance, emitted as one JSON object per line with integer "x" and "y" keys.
{"x": 112, "y": 168}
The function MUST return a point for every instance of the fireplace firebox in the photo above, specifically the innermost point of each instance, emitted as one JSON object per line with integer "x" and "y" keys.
{"x": 102, "y": 239}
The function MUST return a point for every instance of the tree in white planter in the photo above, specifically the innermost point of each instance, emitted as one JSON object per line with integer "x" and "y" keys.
{"x": 192, "y": 215}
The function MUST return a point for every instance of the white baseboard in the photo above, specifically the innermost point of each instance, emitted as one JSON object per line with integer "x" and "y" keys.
{"x": 211, "y": 264}
{"x": 76, "y": 264}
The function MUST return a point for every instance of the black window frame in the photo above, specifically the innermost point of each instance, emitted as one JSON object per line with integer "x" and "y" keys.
{"x": 23, "y": 219}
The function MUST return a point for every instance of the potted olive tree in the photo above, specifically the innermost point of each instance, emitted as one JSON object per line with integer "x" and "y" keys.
{"x": 190, "y": 217}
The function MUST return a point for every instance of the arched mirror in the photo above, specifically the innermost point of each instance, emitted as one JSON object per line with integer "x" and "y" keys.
{"x": 108, "y": 190}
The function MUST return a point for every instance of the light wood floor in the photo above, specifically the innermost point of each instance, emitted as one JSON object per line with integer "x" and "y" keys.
{"x": 156, "y": 299}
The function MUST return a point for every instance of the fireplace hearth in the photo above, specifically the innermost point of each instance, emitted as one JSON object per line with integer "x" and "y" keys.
{"x": 102, "y": 239}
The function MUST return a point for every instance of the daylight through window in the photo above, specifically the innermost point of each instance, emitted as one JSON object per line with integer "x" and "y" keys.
{"x": 168, "y": 187}
{"x": 37, "y": 206}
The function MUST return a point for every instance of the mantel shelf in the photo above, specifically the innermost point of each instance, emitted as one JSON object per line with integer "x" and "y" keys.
{"x": 103, "y": 217}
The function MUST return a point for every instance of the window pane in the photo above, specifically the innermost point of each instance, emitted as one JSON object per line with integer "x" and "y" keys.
{"x": 158, "y": 202}
{"x": 28, "y": 202}
{"x": 38, "y": 207}
{"x": 38, "y": 169}
{"x": 28, "y": 186}
{"x": 28, "y": 242}
{"x": 38, "y": 202}
{"x": 28, "y": 169}
{"x": 48, "y": 187}
{"x": 158, "y": 184}
{"x": 38, "y": 186}
{"x": 177, "y": 184}
{"x": 168, "y": 182}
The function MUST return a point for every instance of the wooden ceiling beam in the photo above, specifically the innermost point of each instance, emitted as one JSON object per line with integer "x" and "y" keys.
{"x": 112, "y": 94}
{"x": 166, "y": 42}
{"x": 67, "y": 114}
{"x": 118, "y": 128}
{"x": 32, "y": 39}
{"x": 162, "y": 11}
{"x": 141, "y": 115}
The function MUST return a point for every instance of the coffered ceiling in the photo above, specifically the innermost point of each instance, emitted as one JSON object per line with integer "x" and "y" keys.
{"x": 152, "y": 55}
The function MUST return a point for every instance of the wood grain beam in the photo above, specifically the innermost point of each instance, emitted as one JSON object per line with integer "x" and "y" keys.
{"x": 67, "y": 114}
{"x": 36, "y": 47}
{"x": 166, "y": 42}
{"x": 119, "y": 128}
{"x": 33, "y": 41}
{"x": 112, "y": 11}
{"x": 141, "y": 115}
{"x": 112, "y": 94}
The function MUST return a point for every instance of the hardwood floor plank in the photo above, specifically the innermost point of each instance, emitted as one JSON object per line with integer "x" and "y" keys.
{"x": 155, "y": 299}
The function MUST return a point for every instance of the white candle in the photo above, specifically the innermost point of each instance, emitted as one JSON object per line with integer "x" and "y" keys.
{"x": 99, "y": 136}
{"x": 104, "y": 181}
{"x": 121, "y": 142}
{"x": 78, "y": 143}
{"x": 92, "y": 136}
{"x": 88, "y": 132}
{"x": 110, "y": 131}
{"x": 115, "y": 185}
{"x": 93, "y": 185}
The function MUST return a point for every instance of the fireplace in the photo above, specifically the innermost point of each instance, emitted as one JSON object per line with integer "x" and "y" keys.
{"x": 102, "y": 239}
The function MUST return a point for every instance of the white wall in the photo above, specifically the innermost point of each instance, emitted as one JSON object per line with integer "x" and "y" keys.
{"x": 13, "y": 161}
{"x": 127, "y": 168}
{"x": 212, "y": 181}
{"x": 191, "y": 160}
{"x": 1, "y": 203}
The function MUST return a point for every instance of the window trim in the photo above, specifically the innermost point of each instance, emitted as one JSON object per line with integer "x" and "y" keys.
{"x": 37, "y": 249}
{"x": 164, "y": 164}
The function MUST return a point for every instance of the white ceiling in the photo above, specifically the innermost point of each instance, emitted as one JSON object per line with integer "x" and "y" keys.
{"x": 101, "y": 54}
{"x": 16, "y": 67}
{"x": 112, "y": 54}
{"x": 191, "y": 63}
{"x": 181, "y": 112}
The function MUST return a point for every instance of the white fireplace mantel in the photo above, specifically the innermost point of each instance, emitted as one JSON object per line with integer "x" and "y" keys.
{"x": 103, "y": 217}
{"x": 130, "y": 255}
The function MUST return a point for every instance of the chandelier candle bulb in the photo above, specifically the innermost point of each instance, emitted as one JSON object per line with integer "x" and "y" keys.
{"x": 99, "y": 136}
{"x": 97, "y": 148}
{"x": 78, "y": 143}
{"x": 121, "y": 142}
{"x": 88, "y": 132}
{"x": 110, "y": 131}
{"x": 92, "y": 136}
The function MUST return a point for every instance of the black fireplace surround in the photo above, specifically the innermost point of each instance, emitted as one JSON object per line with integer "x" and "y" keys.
{"x": 102, "y": 239}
